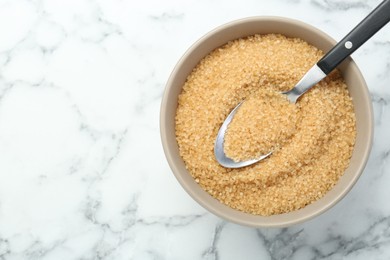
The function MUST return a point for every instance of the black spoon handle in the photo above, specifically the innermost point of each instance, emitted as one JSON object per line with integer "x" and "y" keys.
{"x": 378, "y": 18}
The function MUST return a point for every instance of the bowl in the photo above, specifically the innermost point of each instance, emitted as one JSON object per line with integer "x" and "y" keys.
{"x": 264, "y": 25}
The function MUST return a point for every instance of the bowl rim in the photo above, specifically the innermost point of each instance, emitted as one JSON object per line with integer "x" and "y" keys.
{"x": 205, "y": 202}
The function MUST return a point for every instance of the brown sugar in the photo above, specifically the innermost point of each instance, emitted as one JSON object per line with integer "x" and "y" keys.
{"x": 264, "y": 122}
{"x": 312, "y": 140}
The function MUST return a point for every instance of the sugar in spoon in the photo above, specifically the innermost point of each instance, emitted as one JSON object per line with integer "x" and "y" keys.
{"x": 378, "y": 18}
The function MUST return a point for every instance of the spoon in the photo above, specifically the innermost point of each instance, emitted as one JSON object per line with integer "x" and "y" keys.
{"x": 378, "y": 18}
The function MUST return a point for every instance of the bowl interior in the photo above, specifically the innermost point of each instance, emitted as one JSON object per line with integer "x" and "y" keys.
{"x": 242, "y": 28}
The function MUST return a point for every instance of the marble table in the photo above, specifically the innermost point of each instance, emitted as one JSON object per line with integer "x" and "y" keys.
{"x": 82, "y": 170}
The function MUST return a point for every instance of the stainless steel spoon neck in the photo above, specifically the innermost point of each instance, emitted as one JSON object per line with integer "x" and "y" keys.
{"x": 312, "y": 77}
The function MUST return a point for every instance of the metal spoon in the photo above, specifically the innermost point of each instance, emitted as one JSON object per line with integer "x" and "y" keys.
{"x": 378, "y": 18}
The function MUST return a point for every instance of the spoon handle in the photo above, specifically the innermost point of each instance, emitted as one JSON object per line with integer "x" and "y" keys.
{"x": 378, "y": 18}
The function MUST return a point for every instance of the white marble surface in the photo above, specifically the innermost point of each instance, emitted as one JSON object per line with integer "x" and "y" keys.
{"x": 82, "y": 171}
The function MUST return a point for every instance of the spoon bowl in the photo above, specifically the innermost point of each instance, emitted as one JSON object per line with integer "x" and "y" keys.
{"x": 313, "y": 76}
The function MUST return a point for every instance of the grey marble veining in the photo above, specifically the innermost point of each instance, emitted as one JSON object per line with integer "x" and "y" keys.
{"x": 82, "y": 171}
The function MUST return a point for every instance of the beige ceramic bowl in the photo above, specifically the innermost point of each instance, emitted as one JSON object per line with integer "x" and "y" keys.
{"x": 242, "y": 28}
